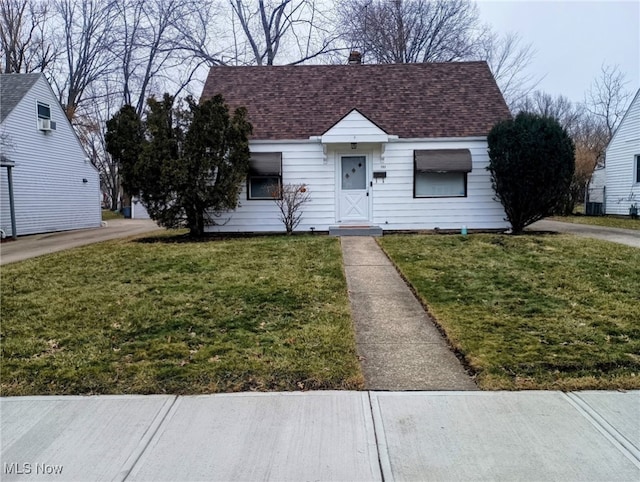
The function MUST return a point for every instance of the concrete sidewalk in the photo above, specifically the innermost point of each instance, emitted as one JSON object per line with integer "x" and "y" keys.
{"x": 629, "y": 237}
{"x": 39, "y": 244}
{"x": 582, "y": 436}
{"x": 399, "y": 346}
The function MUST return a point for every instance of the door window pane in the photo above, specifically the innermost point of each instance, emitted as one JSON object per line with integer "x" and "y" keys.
{"x": 354, "y": 172}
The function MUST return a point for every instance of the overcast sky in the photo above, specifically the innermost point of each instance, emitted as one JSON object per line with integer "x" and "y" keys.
{"x": 572, "y": 39}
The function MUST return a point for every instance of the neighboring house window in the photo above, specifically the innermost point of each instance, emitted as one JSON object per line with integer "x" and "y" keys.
{"x": 44, "y": 117}
{"x": 441, "y": 173}
{"x": 638, "y": 169}
{"x": 265, "y": 175}
{"x": 44, "y": 111}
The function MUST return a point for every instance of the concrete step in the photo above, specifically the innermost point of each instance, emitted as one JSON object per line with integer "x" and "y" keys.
{"x": 355, "y": 231}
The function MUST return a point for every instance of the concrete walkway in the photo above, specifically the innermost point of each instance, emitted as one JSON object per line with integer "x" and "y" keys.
{"x": 369, "y": 436}
{"x": 399, "y": 346}
{"x": 38, "y": 244}
{"x": 629, "y": 237}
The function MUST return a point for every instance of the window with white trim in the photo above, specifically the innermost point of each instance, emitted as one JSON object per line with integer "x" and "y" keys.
{"x": 265, "y": 175}
{"x": 441, "y": 173}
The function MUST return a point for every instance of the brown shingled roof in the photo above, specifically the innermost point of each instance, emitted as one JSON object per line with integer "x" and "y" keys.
{"x": 455, "y": 99}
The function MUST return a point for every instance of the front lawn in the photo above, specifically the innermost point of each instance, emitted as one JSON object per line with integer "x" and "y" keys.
{"x": 531, "y": 312}
{"x": 608, "y": 221}
{"x": 268, "y": 313}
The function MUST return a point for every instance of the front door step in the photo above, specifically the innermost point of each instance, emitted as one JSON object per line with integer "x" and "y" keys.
{"x": 355, "y": 231}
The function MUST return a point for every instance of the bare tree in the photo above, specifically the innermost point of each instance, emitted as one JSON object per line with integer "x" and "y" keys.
{"x": 508, "y": 58}
{"x": 400, "y": 31}
{"x": 290, "y": 199}
{"x": 150, "y": 46}
{"x": 119, "y": 52}
{"x": 202, "y": 35}
{"x": 590, "y": 138}
{"x": 298, "y": 30}
{"x": 90, "y": 125}
{"x": 589, "y": 133}
{"x": 569, "y": 115}
{"x": 87, "y": 28}
{"x": 25, "y": 37}
{"x": 130, "y": 13}
{"x": 608, "y": 97}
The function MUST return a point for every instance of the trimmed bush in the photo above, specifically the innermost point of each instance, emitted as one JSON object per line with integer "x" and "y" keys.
{"x": 532, "y": 162}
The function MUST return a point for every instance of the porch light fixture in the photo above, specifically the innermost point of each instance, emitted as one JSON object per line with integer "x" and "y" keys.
{"x": 354, "y": 145}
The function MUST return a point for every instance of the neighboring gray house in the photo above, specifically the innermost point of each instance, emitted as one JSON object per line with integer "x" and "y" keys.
{"x": 622, "y": 164}
{"x": 396, "y": 146}
{"x": 55, "y": 186}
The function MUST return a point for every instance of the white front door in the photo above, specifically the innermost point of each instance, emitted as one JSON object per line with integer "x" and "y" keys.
{"x": 354, "y": 193}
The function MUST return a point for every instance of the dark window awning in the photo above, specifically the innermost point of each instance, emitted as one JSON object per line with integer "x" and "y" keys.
{"x": 443, "y": 160}
{"x": 265, "y": 164}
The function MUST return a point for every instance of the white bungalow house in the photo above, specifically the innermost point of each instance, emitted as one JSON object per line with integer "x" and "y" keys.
{"x": 622, "y": 164}
{"x": 54, "y": 185}
{"x": 389, "y": 147}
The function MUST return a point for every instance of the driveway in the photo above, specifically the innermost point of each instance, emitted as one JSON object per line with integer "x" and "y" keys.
{"x": 629, "y": 237}
{"x": 38, "y": 244}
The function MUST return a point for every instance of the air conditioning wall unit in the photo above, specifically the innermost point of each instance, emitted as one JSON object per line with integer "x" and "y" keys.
{"x": 46, "y": 125}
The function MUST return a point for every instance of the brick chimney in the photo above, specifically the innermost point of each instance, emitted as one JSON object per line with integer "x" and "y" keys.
{"x": 355, "y": 58}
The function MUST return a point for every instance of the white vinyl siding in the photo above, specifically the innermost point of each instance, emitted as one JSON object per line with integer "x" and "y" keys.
{"x": 302, "y": 163}
{"x": 354, "y": 127}
{"x": 392, "y": 202}
{"x": 50, "y": 168}
{"x": 394, "y": 206}
{"x": 622, "y": 188}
